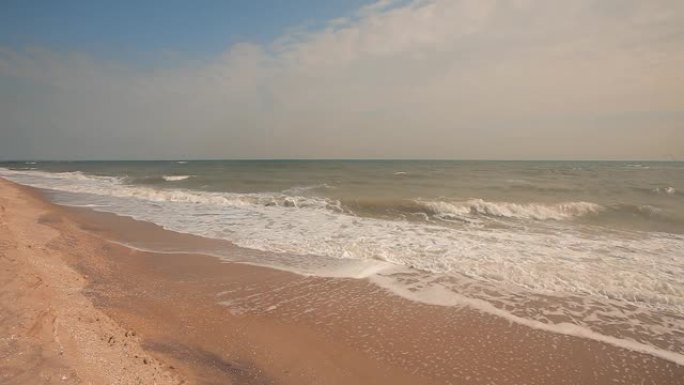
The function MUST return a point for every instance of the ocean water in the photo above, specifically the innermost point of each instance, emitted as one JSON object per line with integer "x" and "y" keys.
{"x": 594, "y": 249}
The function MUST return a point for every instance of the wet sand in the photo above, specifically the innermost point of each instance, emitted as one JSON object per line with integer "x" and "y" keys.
{"x": 206, "y": 321}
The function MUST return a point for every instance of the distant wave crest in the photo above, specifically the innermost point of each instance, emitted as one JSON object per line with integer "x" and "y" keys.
{"x": 666, "y": 190}
{"x": 175, "y": 178}
{"x": 304, "y": 189}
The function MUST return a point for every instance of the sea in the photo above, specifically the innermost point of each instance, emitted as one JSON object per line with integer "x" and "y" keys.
{"x": 591, "y": 249}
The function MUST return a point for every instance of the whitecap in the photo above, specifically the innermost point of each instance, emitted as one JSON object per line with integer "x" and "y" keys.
{"x": 175, "y": 178}
{"x": 537, "y": 211}
{"x": 667, "y": 190}
{"x": 296, "y": 190}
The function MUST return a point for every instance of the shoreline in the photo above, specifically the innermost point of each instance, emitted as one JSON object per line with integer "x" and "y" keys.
{"x": 214, "y": 320}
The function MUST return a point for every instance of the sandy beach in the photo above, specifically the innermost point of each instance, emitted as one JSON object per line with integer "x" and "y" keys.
{"x": 78, "y": 307}
{"x": 50, "y": 331}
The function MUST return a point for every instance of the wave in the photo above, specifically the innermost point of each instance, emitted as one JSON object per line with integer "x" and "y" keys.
{"x": 57, "y": 176}
{"x": 633, "y": 216}
{"x": 468, "y": 211}
{"x": 665, "y": 190}
{"x": 212, "y": 198}
{"x": 296, "y": 190}
{"x": 175, "y": 178}
{"x": 637, "y": 166}
{"x": 117, "y": 187}
{"x": 537, "y": 211}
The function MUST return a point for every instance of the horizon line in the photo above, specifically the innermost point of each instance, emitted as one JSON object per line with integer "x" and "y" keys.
{"x": 337, "y": 159}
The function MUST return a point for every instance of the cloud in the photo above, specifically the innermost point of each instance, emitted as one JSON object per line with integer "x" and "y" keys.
{"x": 434, "y": 79}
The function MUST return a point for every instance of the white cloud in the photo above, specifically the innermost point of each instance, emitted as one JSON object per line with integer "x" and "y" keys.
{"x": 461, "y": 79}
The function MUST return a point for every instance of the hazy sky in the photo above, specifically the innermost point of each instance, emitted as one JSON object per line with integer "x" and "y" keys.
{"x": 506, "y": 79}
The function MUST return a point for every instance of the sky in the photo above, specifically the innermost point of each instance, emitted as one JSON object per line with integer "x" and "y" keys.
{"x": 434, "y": 79}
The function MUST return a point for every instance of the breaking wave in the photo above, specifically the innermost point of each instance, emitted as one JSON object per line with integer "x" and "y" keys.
{"x": 296, "y": 190}
{"x": 175, "y": 178}
{"x": 537, "y": 211}
{"x": 665, "y": 190}
{"x": 116, "y": 187}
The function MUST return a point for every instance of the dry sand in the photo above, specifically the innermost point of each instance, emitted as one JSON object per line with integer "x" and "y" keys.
{"x": 50, "y": 332}
{"x": 79, "y": 308}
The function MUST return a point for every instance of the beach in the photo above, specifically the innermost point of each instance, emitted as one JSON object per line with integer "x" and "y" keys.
{"x": 80, "y": 307}
{"x": 428, "y": 192}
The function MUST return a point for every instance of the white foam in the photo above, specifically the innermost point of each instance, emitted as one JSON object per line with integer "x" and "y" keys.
{"x": 667, "y": 190}
{"x": 439, "y": 295}
{"x": 114, "y": 187}
{"x": 564, "y": 260}
{"x": 175, "y": 178}
{"x": 297, "y": 190}
{"x": 34, "y": 176}
{"x": 86, "y": 205}
{"x": 538, "y": 211}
